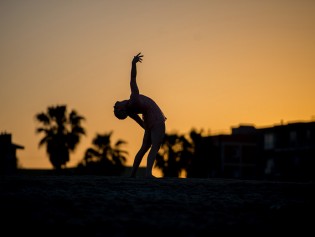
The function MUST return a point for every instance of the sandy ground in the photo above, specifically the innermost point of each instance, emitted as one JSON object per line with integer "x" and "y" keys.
{"x": 74, "y": 205}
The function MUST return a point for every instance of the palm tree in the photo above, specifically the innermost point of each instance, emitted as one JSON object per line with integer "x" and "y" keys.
{"x": 104, "y": 157}
{"x": 174, "y": 156}
{"x": 62, "y": 133}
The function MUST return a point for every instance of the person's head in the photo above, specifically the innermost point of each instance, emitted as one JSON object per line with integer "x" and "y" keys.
{"x": 120, "y": 109}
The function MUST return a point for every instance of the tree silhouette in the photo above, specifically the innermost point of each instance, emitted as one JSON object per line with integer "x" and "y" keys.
{"x": 174, "y": 156}
{"x": 62, "y": 133}
{"x": 103, "y": 157}
{"x": 195, "y": 155}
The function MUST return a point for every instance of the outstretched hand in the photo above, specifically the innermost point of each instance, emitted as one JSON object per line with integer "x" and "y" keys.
{"x": 137, "y": 58}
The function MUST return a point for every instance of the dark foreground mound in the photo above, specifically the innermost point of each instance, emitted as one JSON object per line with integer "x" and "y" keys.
{"x": 65, "y": 205}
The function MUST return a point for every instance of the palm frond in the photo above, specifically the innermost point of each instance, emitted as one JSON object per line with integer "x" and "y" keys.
{"x": 43, "y": 118}
{"x": 91, "y": 153}
{"x": 43, "y": 141}
{"x": 118, "y": 151}
{"x": 78, "y": 130}
{"x": 58, "y": 113}
{"x": 45, "y": 130}
{"x": 120, "y": 142}
{"x": 74, "y": 118}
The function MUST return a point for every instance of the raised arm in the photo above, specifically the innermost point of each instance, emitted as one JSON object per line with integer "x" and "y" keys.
{"x": 133, "y": 78}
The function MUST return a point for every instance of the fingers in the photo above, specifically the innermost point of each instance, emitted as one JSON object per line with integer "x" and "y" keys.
{"x": 138, "y": 57}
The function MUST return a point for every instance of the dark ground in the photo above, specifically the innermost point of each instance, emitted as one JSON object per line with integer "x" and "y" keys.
{"x": 77, "y": 205}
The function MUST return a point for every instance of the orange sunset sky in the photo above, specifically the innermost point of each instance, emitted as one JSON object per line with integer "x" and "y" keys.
{"x": 209, "y": 64}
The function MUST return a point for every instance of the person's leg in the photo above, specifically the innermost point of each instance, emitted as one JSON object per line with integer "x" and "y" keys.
{"x": 157, "y": 136}
{"x": 146, "y": 143}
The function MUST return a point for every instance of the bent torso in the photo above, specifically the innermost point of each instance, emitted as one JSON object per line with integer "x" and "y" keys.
{"x": 151, "y": 112}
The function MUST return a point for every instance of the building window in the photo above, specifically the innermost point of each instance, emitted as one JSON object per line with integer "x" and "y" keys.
{"x": 293, "y": 137}
{"x": 269, "y": 141}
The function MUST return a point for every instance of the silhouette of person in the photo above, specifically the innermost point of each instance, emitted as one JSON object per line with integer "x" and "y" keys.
{"x": 152, "y": 121}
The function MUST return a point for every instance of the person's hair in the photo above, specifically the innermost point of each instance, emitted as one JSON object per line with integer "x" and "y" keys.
{"x": 120, "y": 111}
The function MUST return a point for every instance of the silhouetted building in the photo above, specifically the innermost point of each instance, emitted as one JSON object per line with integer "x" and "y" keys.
{"x": 288, "y": 151}
{"x": 8, "y": 159}
{"x": 284, "y": 152}
{"x": 237, "y": 152}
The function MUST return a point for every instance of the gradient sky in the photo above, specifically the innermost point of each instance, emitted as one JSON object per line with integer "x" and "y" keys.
{"x": 209, "y": 64}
